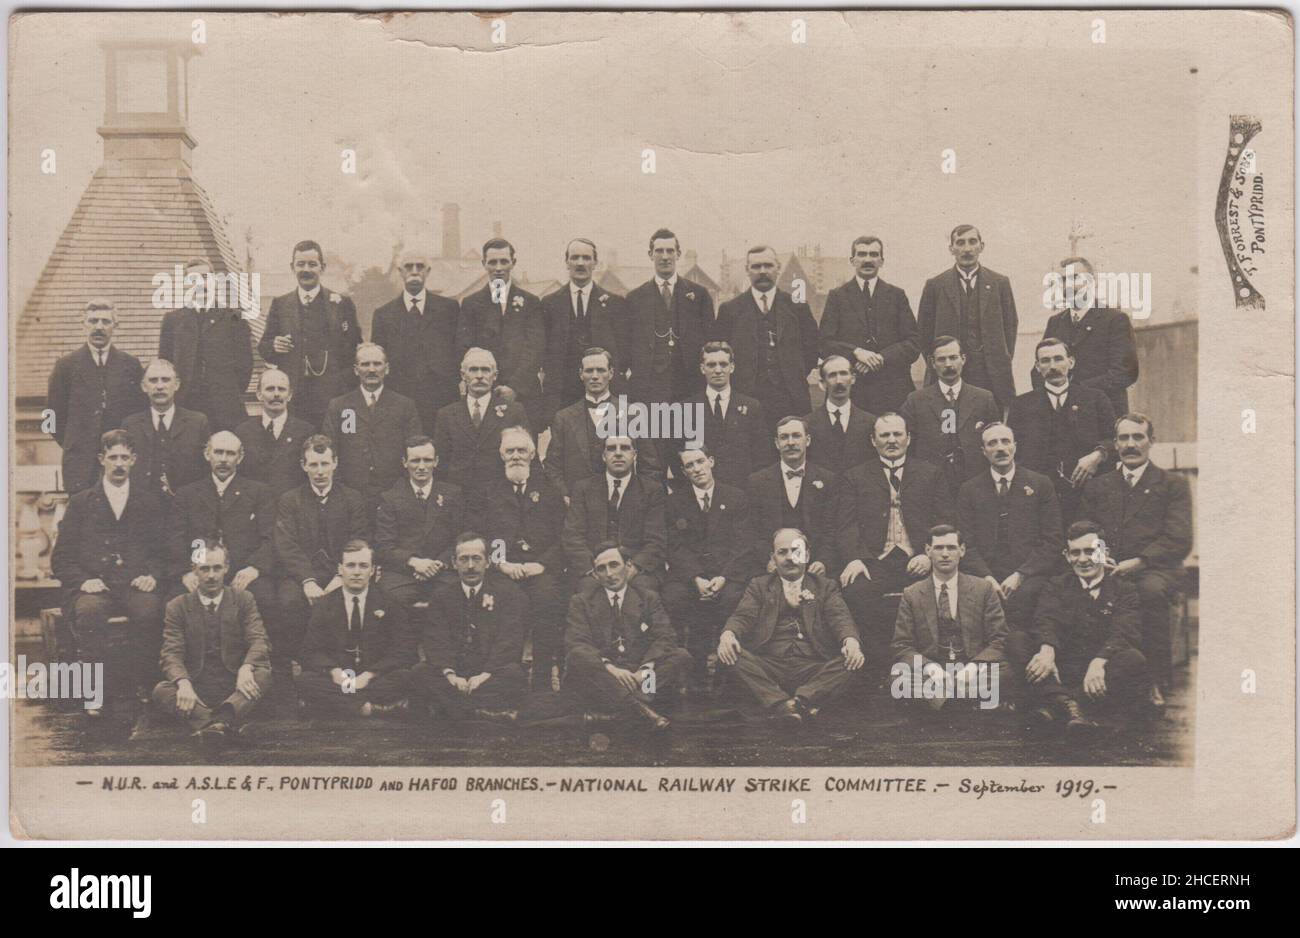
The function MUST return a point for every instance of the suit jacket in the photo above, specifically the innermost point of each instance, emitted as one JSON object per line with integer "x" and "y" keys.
{"x": 216, "y": 384}
{"x": 185, "y": 642}
{"x": 92, "y": 544}
{"x": 370, "y": 457}
{"x": 826, "y": 618}
{"x": 517, "y": 338}
{"x": 575, "y": 450}
{"x": 767, "y": 502}
{"x": 1034, "y": 531}
{"x": 421, "y": 351}
{"x": 740, "y": 444}
{"x": 592, "y": 632}
{"x": 301, "y": 549}
{"x": 883, "y": 324}
{"x": 564, "y": 357}
{"x": 836, "y": 449}
{"x": 528, "y": 528}
{"x": 183, "y": 460}
{"x": 719, "y": 545}
{"x": 1089, "y": 423}
{"x": 641, "y": 524}
{"x": 1152, "y": 520}
{"x": 497, "y": 633}
{"x": 980, "y": 618}
{"x": 386, "y": 643}
{"x": 470, "y": 456}
{"x": 796, "y": 343}
{"x": 404, "y": 530}
{"x": 960, "y": 455}
{"x": 862, "y": 507}
{"x": 342, "y": 332}
{"x": 278, "y": 463}
{"x": 693, "y": 323}
{"x": 1104, "y": 350}
{"x": 86, "y": 408}
{"x": 244, "y": 520}
{"x": 1077, "y": 626}
{"x": 939, "y": 313}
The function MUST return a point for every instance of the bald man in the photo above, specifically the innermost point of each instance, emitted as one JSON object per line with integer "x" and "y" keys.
{"x": 273, "y": 441}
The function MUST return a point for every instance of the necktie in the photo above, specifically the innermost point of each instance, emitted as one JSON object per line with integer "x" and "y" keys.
{"x": 1131, "y": 478}
{"x": 1056, "y": 399}
{"x": 477, "y": 413}
{"x": 947, "y": 627}
{"x": 895, "y": 479}
{"x": 99, "y": 359}
{"x": 616, "y": 607}
{"x": 667, "y": 295}
{"x": 968, "y": 282}
{"x": 422, "y": 496}
{"x": 582, "y": 308}
{"x": 951, "y": 395}
{"x": 415, "y": 306}
{"x": 794, "y": 473}
{"x": 370, "y": 402}
{"x": 354, "y": 615}
{"x": 1003, "y": 485}
{"x": 704, "y": 503}
{"x": 269, "y": 427}
{"x": 519, "y": 488}
{"x": 161, "y": 425}
{"x": 837, "y": 416}
{"x": 613, "y": 496}
{"x": 763, "y": 301}
{"x": 210, "y": 609}
{"x": 717, "y": 406}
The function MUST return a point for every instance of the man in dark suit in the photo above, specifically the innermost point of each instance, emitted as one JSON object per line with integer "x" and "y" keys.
{"x": 578, "y": 316}
{"x": 415, "y": 331}
{"x": 216, "y": 660}
{"x": 794, "y": 493}
{"x": 945, "y": 419}
{"x": 577, "y": 448}
{"x": 509, "y": 323}
{"x": 312, "y": 334}
{"x": 620, "y": 506}
{"x": 974, "y": 304}
{"x": 168, "y": 439}
{"x": 273, "y": 441}
{"x": 1064, "y": 430}
{"x": 359, "y": 649}
{"x": 870, "y": 323}
{"x": 1083, "y": 647}
{"x": 525, "y": 518}
{"x": 840, "y": 430}
{"x": 416, "y": 525}
{"x": 473, "y": 640}
{"x": 238, "y": 514}
{"x": 774, "y": 338}
{"x": 735, "y": 427}
{"x": 1101, "y": 339}
{"x": 91, "y": 391}
{"x": 622, "y": 655}
{"x": 950, "y": 635}
{"x": 791, "y": 640}
{"x": 312, "y": 523}
{"x": 370, "y": 425}
{"x": 884, "y": 509}
{"x": 1013, "y": 520}
{"x": 467, "y": 433}
{"x": 209, "y": 342}
{"x": 709, "y": 556}
{"x": 109, "y": 561}
{"x": 666, "y": 322}
{"x": 1145, "y": 513}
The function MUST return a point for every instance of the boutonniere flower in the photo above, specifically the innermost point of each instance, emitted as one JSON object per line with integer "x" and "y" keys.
{"x": 335, "y": 298}
{"x": 344, "y": 325}
{"x": 517, "y": 302}
{"x": 523, "y": 546}
{"x": 644, "y": 627}
{"x": 379, "y": 613}
{"x": 1074, "y": 408}
{"x": 979, "y": 424}
{"x": 604, "y": 298}
{"x": 1029, "y": 490}
{"x": 722, "y": 508}
{"x": 1106, "y": 610}
{"x": 438, "y": 500}
{"x": 806, "y": 596}
{"x": 681, "y": 524}
{"x": 743, "y": 409}
{"x": 690, "y": 295}
{"x": 500, "y": 409}
{"x": 535, "y": 497}
{"x": 818, "y": 484}
{"x": 488, "y": 601}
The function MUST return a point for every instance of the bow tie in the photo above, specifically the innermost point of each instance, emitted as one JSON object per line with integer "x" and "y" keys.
{"x": 592, "y": 405}
{"x": 794, "y": 473}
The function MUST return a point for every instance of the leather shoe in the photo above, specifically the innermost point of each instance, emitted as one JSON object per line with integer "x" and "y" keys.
{"x": 788, "y": 712}
{"x": 213, "y": 736}
{"x": 497, "y": 716}
{"x": 657, "y": 721}
{"x": 377, "y": 709}
{"x": 591, "y": 718}
{"x": 1078, "y": 725}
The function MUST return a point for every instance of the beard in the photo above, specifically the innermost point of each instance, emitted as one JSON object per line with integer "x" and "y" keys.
{"x": 517, "y": 473}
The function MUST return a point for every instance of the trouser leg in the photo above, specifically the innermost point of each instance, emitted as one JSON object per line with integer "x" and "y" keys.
{"x": 546, "y": 613}
{"x": 1153, "y": 595}
{"x": 293, "y": 611}
{"x": 760, "y": 675}
{"x": 144, "y": 612}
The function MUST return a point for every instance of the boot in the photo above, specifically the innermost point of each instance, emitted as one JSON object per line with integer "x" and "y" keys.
{"x": 1078, "y": 723}
{"x": 656, "y": 721}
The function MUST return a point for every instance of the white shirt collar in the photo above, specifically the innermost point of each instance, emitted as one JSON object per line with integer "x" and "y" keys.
{"x": 277, "y": 423}
{"x": 1095, "y": 584}
{"x": 887, "y": 465}
{"x": 374, "y": 395}
{"x": 412, "y": 299}
{"x": 417, "y": 489}
{"x": 622, "y": 484}
{"x": 168, "y": 416}
{"x": 599, "y": 400}
{"x": 700, "y": 493}
{"x": 585, "y": 291}
{"x": 759, "y": 294}
{"x": 96, "y": 353}
{"x": 1009, "y": 475}
{"x": 863, "y": 283}
{"x": 471, "y": 591}
{"x": 936, "y": 584}
{"x": 966, "y": 276}
{"x": 1135, "y": 473}
{"x": 484, "y": 401}
{"x": 116, "y": 494}
{"x": 347, "y": 601}
{"x": 1056, "y": 391}
{"x": 222, "y": 486}
{"x": 792, "y": 589}
{"x": 306, "y": 297}
{"x": 671, "y": 281}
{"x": 724, "y": 394}
{"x": 215, "y": 603}
{"x": 620, "y": 595}
{"x": 954, "y": 388}
{"x": 320, "y": 494}
{"x": 784, "y": 469}
{"x": 844, "y": 408}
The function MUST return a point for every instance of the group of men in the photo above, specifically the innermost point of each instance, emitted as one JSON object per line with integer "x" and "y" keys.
{"x": 383, "y": 536}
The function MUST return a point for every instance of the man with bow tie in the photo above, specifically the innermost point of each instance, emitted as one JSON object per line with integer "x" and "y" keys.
{"x": 709, "y": 556}
{"x": 359, "y": 650}
{"x": 216, "y": 662}
{"x": 883, "y": 510}
{"x": 273, "y": 441}
{"x": 622, "y": 655}
{"x": 209, "y": 342}
{"x": 794, "y": 494}
{"x": 945, "y": 419}
{"x": 578, "y": 316}
{"x": 370, "y": 424}
{"x": 1101, "y": 339}
{"x": 524, "y": 520}
{"x": 1147, "y": 515}
{"x": 473, "y": 640}
{"x": 168, "y": 439}
{"x": 1082, "y": 651}
{"x": 312, "y": 334}
{"x": 870, "y": 323}
{"x": 735, "y": 427}
{"x": 841, "y": 428}
{"x": 974, "y": 304}
{"x": 508, "y": 322}
{"x": 92, "y": 390}
{"x": 416, "y": 526}
{"x": 1064, "y": 429}
{"x": 415, "y": 330}
{"x": 791, "y": 640}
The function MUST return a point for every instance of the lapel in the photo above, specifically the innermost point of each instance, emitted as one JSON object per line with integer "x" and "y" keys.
{"x": 937, "y": 402}
{"x": 951, "y": 285}
{"x": 965, "y": 410}
{"x": 86, "y": 367}
{"x": 808, "y": 611}
{"x": 930, "y": 620}
{"x": 195, "y": 639}
{"x": 187, "y": 334}
{"x": 227, "y": 621}
{"x": 1138, "y": 495}
{"x": 968, "y": 611}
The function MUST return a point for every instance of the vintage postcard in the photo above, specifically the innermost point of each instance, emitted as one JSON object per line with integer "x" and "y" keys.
{"x": 651, "y": 425}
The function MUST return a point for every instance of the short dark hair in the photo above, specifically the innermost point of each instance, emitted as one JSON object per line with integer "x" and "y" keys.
{"x": 1049, "y": 341}
{"x": 790, "y": 418}
{"x": 1134, "y": 417}
{"x": 492, "y": 244}
{"x": 356, "y": 544}
{"x": 694, "y": 449}
{"x": 760, "y": 249}
{"x": 821, "y": 367}
{"x": 608, "y": 545}
{"x": 1077, "y": 262}
{"x": 115, "y": 438}
{"x": 597, "y": 350}
{"x": 595, "y": 255}
{"x": 941, "y": 340}
{"x": 465, "y": 537}
{"x": 961, "y": 230}
{"x": 1083, "y": 526}
{"x": 416, "y": 441}
{"x": 717, "y": 345}
{"x": 302, "y": 246}
{"x": 665, "y": 233}
{"x": 205, "y": 546}
{"x": 866, "y": 239}
{"x": 996, "y": 423}
{"x": 943, "y": 530}
{"x": 318, "y": 443}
